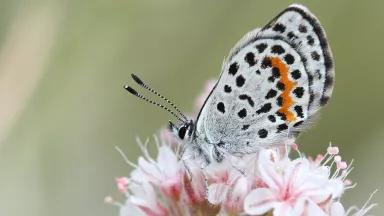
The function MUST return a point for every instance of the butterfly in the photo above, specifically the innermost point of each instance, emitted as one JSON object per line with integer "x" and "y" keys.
{"x": 271, "y": 85}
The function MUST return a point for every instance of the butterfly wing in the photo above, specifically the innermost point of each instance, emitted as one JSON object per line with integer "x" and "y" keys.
{"x": 273, "y": 81}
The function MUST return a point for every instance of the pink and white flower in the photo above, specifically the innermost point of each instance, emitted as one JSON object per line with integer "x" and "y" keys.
{"x": 269, "y": 182}
{"x": 293, "y": 187}
{"x": 266, "y": 183}
{"x": 164, "y": 173}
{"x": 226, "y": 187}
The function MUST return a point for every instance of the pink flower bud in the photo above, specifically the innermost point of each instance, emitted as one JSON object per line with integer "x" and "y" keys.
{"x": 337, "y": 158}
{"x": 333, "y": 150}
{"x": 341, "y": 165}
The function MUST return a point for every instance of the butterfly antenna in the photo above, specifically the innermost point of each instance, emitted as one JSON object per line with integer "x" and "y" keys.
{"x": 145, "y": 86}
{"x": 135, "y": 93}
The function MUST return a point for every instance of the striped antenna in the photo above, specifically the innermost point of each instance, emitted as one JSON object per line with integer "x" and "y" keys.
{"x": 135, "y": 93}
{"x": 145, "y": 86}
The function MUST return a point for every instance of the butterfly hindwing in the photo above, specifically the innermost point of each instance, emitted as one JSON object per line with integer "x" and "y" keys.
{"x": 302, "y": 29}
{"x": 273, "y": 80}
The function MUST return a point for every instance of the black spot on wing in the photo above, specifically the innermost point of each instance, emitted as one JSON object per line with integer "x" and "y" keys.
{"x": 248, "y": 98}
{"x": 281, "y": 115}
{"x": 281, "y": 127}
{"x": 262, "y": 133}
{"x": 261, "y": 47}
{"x": 279, "y": 101}
{"x": 289, "y": 59}
{"x": 299, "y": 111}
{"x": 227, "y": 89}
{"x": 221, "y": 107}
{"x": 277, "y": 49}
{"x": 310, "y": 40}
{"x": 250, "y": 59}
{"x": 240, "y": 80}
{"x": 315, "y": 56}
{"x": 233, "y": 68}
{"x": 296, "y": 74}
{"x": 291, "y": 35}
{"x": 324, "y": 100}
{"x": 279, "y": 28}
{"x": 266, "y": 63}
{"x": 299, "y": 91}
{"x": 265, "y": 108}
{"x": 298, "y": 123}
{"x": 245, "y": 127}
{"x": 280, "y": 86}
{"x": 275, "y": 74}
{"x": 302, "y": 28}
{"x": 242, "y": 113}
{"x": 272, "y": 118}
{"x": 271, "y": 94}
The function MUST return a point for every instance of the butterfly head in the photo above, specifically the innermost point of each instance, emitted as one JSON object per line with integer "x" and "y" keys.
{"x": 184, "y": 131}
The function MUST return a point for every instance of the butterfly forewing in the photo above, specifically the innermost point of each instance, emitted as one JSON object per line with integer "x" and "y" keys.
{"x": 273, "y": 81}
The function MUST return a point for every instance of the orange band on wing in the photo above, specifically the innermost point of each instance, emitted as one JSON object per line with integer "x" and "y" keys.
{"x": 288, "y": 87}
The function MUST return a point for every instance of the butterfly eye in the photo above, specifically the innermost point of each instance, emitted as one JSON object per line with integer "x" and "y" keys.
{"x": 182, "y": 132}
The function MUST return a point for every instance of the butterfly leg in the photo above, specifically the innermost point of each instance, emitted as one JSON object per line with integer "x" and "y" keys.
{"x": 188, "y": 169}
{"x": 218, "y": 155}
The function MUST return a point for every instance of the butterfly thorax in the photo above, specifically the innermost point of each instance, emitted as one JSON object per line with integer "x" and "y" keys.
{"x": 198, "y": 146}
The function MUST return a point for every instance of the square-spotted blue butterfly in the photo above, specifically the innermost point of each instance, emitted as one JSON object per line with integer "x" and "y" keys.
{"x": 272, "y": 83}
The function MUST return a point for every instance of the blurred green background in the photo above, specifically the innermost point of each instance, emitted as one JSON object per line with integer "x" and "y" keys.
{"x": 63, "y": 108}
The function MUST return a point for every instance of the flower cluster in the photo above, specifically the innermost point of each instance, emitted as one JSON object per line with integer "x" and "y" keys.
{"x": 269, "y": 182}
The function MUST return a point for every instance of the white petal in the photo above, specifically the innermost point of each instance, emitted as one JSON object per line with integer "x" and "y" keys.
{"x": 305, "y": 179}
{"x": 319, "y": 195}
{"x": 295, "y": 172}
{"x": 137, "y": 175}
{"x": 299, "y": 206}
{"x": 167, "y": 161}
{"x": 217, "y": 193}
{"x": 218, "y": 172}
{"x": 284, "y": 209}
{"x": 137, "y": 201}
{"x": 240, "y": 189}
{"x": 143, "y": 195}
{"x": 130, "y": 210}
{"x": 313, "y": 209}
{"x": 267, "y": 169}
{"x": 149, "y": 169}
{"x": 259, "y": 201}
{"x": 336, "y": 187}
{"x": 337, "y": 209}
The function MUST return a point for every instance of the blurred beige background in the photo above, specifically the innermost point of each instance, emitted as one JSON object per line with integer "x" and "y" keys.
{"x": 63, "y": 108}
